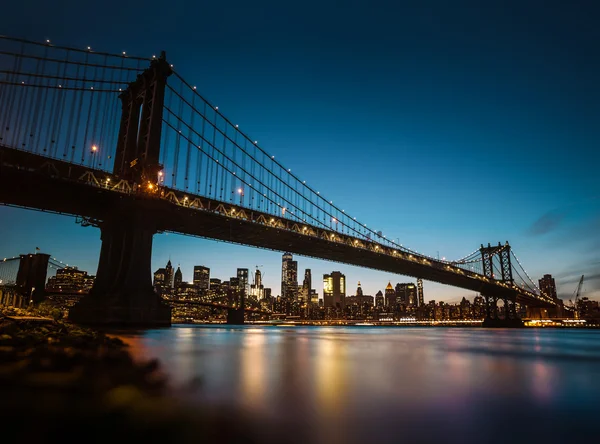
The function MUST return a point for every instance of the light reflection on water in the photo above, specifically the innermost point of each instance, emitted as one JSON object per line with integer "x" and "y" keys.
{"x": 337, "y": 384}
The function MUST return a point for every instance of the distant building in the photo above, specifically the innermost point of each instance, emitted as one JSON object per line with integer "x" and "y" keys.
{"x": 215, "y": 281}
{"x": 359, "y": 291}
{"x": 177, "y": 278}
{"x": 334, "y": 289}
{"x": 406, "y": 294}
{"x": 420, "y": 294}
{"x": 390, "y": 296}
{"x": 359, "y": 299}
{"x": 163, "y": 279}
{"x": 548, "y": 286}
{"x": 314, "y": 296}
{"x": 307, "y": 285}
{"x": 242, "y": 275}
{"x": 257, "y": 288}
{"x": 201, "y": 277}
{"x": 169, "y": 275}
{"x": 267, "y": 293}
{"x": 289, "y": 277}
{"x": 379, "y": 300}
{"x": 70, "y": 280}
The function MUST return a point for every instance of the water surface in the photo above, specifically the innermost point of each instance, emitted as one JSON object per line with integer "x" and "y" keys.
{"x": 361, "y": 384}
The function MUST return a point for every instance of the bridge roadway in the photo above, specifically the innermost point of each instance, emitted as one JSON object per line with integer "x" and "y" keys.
{"x": 37, "y": 182}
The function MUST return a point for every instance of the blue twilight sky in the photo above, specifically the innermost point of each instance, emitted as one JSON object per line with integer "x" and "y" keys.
{"x": 444, "y": 124}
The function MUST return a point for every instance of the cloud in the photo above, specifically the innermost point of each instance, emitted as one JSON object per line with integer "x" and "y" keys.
{"x": 546, "y": 223}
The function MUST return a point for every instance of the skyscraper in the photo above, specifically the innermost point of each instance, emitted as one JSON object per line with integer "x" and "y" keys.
{"x": 379, "y": 301}
{"x": 548, "y": 286}
{"x": 257, "y": 288}
{"x": 306, "y": 290}
{"x": 307, "y": 283}
{"x": 390, "y": 296}
{"x": 420, "y": 296}
{"x": 178, "y": 278}
{"x": 289, "y": 277}
{"x": 242, "y": 275}
{"x": 169, "y": 275}
{"x": 163, "y": 279}
{"x": 407, "y": 294}
{"x": 334, "y": 289}
{"x": 202, "y": 277}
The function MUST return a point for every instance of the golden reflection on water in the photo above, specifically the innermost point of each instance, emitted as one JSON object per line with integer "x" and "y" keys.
{"x": 331, "y": 376}
{"x": 253, "y": 371}
{"x": 326, "y": 382}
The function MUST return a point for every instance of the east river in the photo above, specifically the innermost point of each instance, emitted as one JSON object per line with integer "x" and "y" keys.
{"x": 377, "y": 384}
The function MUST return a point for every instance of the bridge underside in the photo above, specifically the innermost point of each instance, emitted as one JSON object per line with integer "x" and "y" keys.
{"x": 54, "y": 186}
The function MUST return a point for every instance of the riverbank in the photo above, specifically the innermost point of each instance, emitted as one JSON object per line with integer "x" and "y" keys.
{"x": 60, "y": 381}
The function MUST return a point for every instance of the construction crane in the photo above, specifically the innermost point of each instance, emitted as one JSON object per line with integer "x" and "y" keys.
{"x": 576, "y": 297}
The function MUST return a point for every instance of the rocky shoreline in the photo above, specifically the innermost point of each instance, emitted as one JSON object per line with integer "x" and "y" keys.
{"x": 62, "y": 382}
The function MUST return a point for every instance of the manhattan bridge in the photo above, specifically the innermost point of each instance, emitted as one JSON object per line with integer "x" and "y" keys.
{"x": 127, "y": 145}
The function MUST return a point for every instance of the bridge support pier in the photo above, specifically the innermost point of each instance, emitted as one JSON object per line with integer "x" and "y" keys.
{"x": 235, "y": 316}
{"x": 492, "y": 318}
{"x": 122, "y": 294}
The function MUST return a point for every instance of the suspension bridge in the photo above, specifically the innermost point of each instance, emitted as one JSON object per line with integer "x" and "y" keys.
{"x": 127, "y": 145}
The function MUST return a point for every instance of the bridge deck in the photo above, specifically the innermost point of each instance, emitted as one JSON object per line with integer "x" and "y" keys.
{"x": 32, "y": 181}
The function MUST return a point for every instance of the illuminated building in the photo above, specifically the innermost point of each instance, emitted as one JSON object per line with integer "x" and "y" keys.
{"x": 257, "y": 288}
{"x": 289, "y": 277}
{"x": 420, "y": 295}
{"x": 242, "y": 275}
{"x": 202, "y": 277}
{"x": 379, "y": 301}
{"x": 390, "y": 296}
{"x": 70, "y": 280}
{"x": 334, "y": 289}
{"x": 407, "y": 294}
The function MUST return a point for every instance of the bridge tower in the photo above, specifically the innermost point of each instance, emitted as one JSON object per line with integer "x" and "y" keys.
{"x": 31, "y": 277}
{"x": 138, "y": 145}
{"x": 122, "y": 293}
{"x": 498, "y": 257}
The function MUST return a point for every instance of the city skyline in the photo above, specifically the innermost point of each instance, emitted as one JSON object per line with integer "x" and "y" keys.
{"x": 385, "y": 132}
